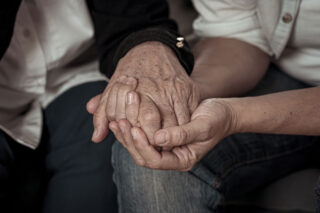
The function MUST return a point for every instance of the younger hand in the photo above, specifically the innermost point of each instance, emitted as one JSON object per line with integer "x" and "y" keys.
{"x": 212, "y": 121}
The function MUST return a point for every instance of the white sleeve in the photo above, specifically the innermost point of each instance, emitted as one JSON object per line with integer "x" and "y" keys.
{"x": 231, "y": 19}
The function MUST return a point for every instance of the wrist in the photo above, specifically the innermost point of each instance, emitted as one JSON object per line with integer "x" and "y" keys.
{"x": 150, "y": 49}
{"x": 234, "y": 111}
{"x": 151, "y": 58}
{"x": 248, "y": 115}
{"x": 164, "y": 36}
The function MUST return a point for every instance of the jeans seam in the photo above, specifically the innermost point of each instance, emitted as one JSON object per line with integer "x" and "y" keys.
{"x": 237, "y": 165}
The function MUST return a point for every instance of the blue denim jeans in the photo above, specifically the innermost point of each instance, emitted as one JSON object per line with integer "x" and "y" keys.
{"x": 238, "y": 164}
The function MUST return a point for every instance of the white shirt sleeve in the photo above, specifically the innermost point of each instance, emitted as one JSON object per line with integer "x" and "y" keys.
{"x": 236, "y": 19}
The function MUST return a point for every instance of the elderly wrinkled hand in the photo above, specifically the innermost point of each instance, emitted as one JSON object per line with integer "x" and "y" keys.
{"x": 167, "y": 95}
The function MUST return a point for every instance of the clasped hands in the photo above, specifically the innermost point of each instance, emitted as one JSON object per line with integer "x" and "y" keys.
{"x": 156, "y": 114}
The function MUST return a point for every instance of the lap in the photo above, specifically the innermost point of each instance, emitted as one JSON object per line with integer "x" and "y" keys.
{"x": 246, "y": 161}
{"x": 239, "y": 164}
{"x": 6, "y": 160}
{"x": 21, "y": 177}
{"x": 236, "y": 165}
{"x": 67, "y": 170}
{"x": 146, "y": 190}
{"x": 68, "y": 128}
{"x": 80, "y": 171}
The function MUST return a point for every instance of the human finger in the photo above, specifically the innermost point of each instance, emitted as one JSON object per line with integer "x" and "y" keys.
{"x": 149, "y": 117}
{"x": 168, "y": 117}
{"x": 195, "y": 131}
{"x": 182, "y": 112}
{"x": 127, "y": 84}
{"x": 114, "y": 127}
{"x": 93, "y": 104}
{"x": 125, "y": 128}
{"x": 154, "y": 159}
{"x": 100, "y": 121}
{"x": 132, "y": 107}
{"x": 111, "y": 103}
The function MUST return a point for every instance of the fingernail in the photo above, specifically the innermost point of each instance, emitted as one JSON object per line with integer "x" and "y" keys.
{"x": 130, "y": 98}
{"x": 122, "y": 79}
{"x": 162, "y": 138}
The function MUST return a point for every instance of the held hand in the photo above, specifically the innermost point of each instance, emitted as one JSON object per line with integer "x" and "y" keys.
{"x": 212, "y": 121}
{"x": 167, "y": 94}
{"x": 112, "y": 101}
{"x": 93, "y": 104}
{"x": 128, "y": 84}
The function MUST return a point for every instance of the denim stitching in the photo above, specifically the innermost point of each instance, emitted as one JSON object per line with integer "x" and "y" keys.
{"x": 237, "y": 165}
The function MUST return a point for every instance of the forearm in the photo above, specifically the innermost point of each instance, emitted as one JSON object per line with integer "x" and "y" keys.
{"x": 227, "y": 67}
{"x": 291, "y": 112}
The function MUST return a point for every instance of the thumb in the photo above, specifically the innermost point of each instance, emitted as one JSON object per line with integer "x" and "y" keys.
{"x": 195, "y": 131}
{"x": 93, "y": 104}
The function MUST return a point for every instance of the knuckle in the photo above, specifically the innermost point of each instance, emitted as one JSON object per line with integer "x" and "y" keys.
{"x": 190, "y": 160}
{"x": 132, "y": 120}
{"x": 120, "y": 116}
{"x": 189, "y": 164}
{"x": 150, "y": 117}
{"x": 182, "y": 136}
{"x": 104, "y": 96}
{"x": 123, "y": 89}
{"x": 98, "y": 118}
{"x": 110, "y": 114}
{"x": 111, "y": 117}
{"x": 123, "y": 123}
{"x": 132, "y": 82}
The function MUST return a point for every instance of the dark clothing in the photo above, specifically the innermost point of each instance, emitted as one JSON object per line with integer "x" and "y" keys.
{"x": 67, "y": 172}
{"x": 77, "y": 173}
{"x": 119, "y": 26}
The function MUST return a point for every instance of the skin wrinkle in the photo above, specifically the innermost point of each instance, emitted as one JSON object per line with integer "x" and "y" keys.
{"x": 177, "y": 105}
{"x": 194, "y": 158}
{"x": 164, "y": 108}
{"x": 162, "y": 80}
{"x": 111, "y": 110}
